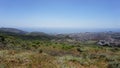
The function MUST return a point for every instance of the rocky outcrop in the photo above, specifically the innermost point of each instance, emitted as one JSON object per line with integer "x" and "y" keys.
{"x": 115, "y": 43}
{"x": 103, "y": 43}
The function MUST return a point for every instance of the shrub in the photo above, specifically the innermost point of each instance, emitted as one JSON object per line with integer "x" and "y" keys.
{"x": 40, "y": 50}
{"x": 80, "y": 49}
{"x": 115, "y": 49}
{"x": 112, "y": 58}
{"x": 3, "y": 65}
{"x": 93, "y": 56}
{"x": 114, "y": 64}
{"x": 66, "y": 47}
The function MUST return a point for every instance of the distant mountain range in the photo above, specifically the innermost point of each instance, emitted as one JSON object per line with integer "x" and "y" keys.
{"x": 24, "y": 34}
{"x": 71, "y": 37}
{"x": 70, "y": 30}
{"x": 13, "y": 30}
{"x": 76, "y": 36}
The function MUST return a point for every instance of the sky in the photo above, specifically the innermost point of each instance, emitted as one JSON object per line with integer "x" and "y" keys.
{"x": 60, "y": 14}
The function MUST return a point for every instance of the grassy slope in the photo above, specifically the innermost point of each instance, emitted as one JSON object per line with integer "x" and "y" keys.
{"x": 18, "y": 53}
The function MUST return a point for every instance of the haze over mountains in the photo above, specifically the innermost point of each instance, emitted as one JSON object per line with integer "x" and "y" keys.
{"x": 57, "y": 30}
{"x": 111, "y": 37}
{"x": 69, "y": 30}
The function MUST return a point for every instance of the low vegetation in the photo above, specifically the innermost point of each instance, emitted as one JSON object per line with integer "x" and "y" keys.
{"x": 17, "y": 51}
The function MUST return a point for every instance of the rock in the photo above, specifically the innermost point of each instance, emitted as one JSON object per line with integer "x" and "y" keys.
{"x": 103, "y": 43}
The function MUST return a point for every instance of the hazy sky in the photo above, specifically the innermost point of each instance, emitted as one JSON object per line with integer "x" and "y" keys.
{"x": 60, "y": 13}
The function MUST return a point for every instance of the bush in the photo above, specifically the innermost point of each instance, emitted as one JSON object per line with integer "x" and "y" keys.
{"x": 115, "y": 49}
{"x": 67, "y": 47}
{"x": 93, "y": 56}
{"x": 3, "y": 66}
{"x": 80, "y": 50}
{"x": 40, "y": 50}
{"x": 114, "y": 64}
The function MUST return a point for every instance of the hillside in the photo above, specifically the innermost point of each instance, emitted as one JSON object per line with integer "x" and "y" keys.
{"x": 41, "y": 50}
{"x": 12, "y": 30}
{"x": 112, "y": 37}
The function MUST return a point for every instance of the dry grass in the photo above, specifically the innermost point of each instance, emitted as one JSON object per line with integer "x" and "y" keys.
{"x": 56, "y": 57}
